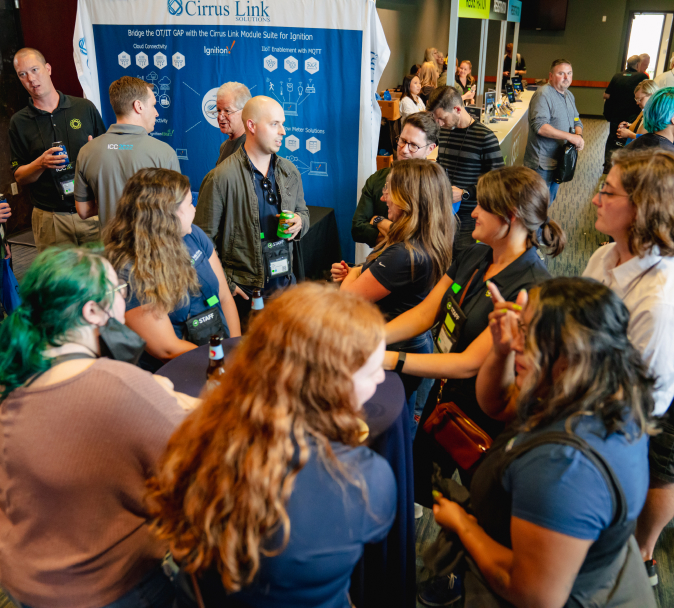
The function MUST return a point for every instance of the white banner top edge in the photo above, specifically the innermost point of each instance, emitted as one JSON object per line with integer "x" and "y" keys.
{"x": 316, "y": 14}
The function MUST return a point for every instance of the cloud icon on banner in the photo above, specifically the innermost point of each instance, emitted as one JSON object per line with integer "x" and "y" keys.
{"x": 175, "y": 7}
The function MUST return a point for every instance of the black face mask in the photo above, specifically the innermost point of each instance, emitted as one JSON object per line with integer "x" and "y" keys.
{"x": 120, "y": 343}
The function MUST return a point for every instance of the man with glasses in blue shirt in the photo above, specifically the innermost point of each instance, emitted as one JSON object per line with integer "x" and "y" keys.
{"x": 418, "y": 139}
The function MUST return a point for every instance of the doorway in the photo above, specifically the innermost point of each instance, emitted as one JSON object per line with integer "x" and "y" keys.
{"x": 651, "y": 33}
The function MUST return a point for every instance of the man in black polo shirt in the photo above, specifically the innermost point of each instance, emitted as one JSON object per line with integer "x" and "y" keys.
{"x": 49, "y": 117}
{"x": 467, "y": 149}
{"x": 619, "y": 105}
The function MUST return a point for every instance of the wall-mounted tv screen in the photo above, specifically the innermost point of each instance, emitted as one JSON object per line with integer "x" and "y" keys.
{"x": 544, "y": 14}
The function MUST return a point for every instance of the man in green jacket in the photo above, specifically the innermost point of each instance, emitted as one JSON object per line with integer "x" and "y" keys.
{"x": 417, "y": 139}
{"x": 240, "y": 201}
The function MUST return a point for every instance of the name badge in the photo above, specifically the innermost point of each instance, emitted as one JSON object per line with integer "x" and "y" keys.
{"x": 67, "y": 187}
{"x": 452, "y": 326}
{"x": 277, "y": 261}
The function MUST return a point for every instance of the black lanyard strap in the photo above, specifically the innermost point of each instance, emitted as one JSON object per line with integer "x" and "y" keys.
{"x": 58, "y": 360}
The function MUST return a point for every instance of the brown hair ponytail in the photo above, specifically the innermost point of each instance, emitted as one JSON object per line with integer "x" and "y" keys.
{"x": 520, "y": 192}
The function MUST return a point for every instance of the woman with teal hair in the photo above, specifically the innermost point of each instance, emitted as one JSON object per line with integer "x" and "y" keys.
{"x": 658, "y": 121}
{"x": 80, "y": 433}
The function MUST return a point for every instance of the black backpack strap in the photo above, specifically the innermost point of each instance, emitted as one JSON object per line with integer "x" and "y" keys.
{"x": 562, "y": 438}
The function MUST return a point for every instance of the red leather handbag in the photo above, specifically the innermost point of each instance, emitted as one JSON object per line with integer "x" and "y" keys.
{"x": 464, "y": 440}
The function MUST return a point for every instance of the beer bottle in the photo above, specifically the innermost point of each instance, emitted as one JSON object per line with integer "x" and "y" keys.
{"x": 257, "y": 304}
{"x": 216, "y": 359}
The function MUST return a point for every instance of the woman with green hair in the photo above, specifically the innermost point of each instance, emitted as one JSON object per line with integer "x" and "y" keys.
{"x": 658, "y": 121}
{"x": 80, "y": 433}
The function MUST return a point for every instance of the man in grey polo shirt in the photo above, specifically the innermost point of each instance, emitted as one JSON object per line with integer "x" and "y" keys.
{"x": 553, "y": 120}
{"x": 106, "y": 163}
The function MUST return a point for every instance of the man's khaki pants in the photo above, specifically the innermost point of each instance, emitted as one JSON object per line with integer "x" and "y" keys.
{"x": 53, "y": 228}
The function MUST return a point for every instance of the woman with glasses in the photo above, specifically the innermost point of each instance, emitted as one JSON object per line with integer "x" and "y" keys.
{"x": 511, "y": 223}
{"x": 635, "y": 208}
{"x": 414, "y": 254}
{"x": 555, "y": 500}
{"x": 658, "y": 122}
{"x": 642, "y": 94}
{"x": 410, "y": 102}
{"x": 81, "y": 433}
{"x": 178, "y": 294}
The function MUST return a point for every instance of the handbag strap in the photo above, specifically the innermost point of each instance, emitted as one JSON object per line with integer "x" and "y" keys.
{"x": 467, "y": 287}
{"x": 197, "y": 591}
{"x": 563, "y": 438}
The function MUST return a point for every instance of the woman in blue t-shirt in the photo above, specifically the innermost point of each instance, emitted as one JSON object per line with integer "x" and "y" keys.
{"x": 178, "y": 295}
{"x": 266, "y": 491}
{"x": 555, "y": 500}
{"x": 414, "y": 255}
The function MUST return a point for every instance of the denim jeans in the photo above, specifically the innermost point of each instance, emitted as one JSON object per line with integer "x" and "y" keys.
{"x": 422, "y": 344}
{"x": 549, "y": 176}
{"x": 154, "y": 591}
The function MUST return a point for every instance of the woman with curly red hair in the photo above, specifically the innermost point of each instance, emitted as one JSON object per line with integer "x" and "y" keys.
{"x": 265, "y": 493}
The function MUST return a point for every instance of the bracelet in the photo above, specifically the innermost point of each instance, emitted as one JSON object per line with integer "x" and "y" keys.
{"x": 401, "y": 362}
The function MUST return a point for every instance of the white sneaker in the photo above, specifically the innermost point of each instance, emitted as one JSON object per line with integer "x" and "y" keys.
{"x": 418, "y": 511}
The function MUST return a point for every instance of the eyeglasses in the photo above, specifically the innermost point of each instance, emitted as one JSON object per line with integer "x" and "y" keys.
{"x": 385, "y": 189}
{"x": 523, "y": 329}
{"x": 228, "y": 113}
{"x": 604, "y": 193}
{"x": 122, "y": 289}
{"x": 413, "y": 147}
{"x": 269, "y": 193}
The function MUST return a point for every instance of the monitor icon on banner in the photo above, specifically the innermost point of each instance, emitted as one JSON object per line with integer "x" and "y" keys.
{"x": 290, "y": 108}
{"x": 320, "y": 169}
{"x": 181, "y": 153}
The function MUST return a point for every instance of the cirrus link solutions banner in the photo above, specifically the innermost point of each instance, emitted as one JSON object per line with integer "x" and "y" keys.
{"x": 320, "y": 59}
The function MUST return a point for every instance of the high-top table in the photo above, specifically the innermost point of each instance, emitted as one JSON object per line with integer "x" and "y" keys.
{"x": 385, "y": 576}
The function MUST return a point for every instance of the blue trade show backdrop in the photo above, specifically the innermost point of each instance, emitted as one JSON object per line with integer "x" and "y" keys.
{"x": 315, "y": 74}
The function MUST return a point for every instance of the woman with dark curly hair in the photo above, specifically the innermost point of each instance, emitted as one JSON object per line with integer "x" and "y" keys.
{"x": 265, "y": 493}
{"x": 178, "y": 295}
{"x": 556, "y": 498}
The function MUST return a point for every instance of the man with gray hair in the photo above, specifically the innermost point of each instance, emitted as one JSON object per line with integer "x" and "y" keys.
{"x": 666, "y": 79}
{"x": 619, "y": 105}
{"x": 231, "y": 98}
{"x": 644, "y": 61}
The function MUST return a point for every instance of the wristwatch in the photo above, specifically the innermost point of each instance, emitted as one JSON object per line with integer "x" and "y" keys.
{"x": 465, "y": 196}
{"x": 401, "y": 362}
{"x": 378, "y": 219}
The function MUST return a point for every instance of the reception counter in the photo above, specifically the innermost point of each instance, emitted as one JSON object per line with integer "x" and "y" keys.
{"x": 512, "y": 134}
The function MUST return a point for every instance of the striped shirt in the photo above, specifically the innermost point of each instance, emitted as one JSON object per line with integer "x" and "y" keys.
{"x": 466, "y": 154}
